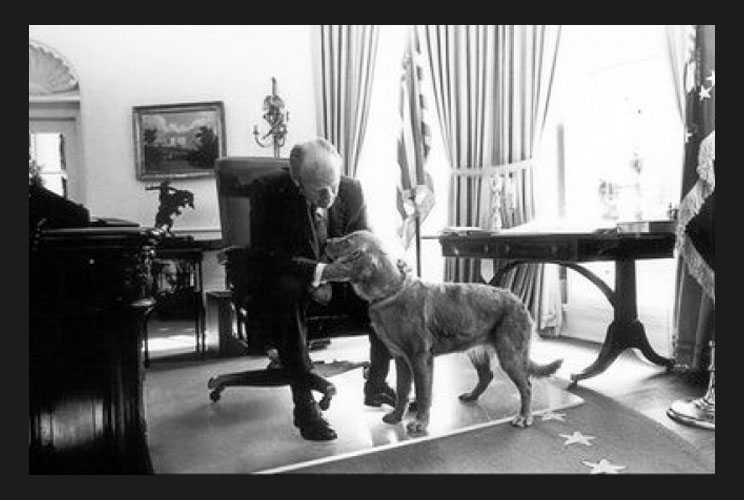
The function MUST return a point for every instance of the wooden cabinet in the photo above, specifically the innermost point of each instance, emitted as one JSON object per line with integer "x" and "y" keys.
{"x": 89, "y": 293}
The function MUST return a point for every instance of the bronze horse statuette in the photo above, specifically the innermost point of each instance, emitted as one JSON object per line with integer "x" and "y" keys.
{"x": 172, "y": 200}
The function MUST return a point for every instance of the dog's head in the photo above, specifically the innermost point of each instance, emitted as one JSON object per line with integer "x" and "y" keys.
{"x": 365, "y": 263}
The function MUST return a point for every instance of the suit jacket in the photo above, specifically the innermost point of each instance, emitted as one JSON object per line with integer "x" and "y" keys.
{"x": 282, "y": 239}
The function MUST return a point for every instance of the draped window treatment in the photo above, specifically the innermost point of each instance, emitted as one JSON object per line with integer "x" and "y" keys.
{"x": 462, "y": 61}
{"x": 680, "y": 46}
{"x": 692, "y": 62}
{"x": 347, "y": 56}
{"x": 492, "y": 86}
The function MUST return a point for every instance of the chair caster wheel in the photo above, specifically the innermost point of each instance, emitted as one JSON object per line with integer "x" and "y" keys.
{"x": 215, "y": 395}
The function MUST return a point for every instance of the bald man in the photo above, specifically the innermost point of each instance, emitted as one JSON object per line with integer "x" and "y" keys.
{"x": 294, "y": 212}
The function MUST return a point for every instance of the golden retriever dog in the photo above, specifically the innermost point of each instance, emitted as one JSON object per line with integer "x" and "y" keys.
{"x": 418, "y": 320}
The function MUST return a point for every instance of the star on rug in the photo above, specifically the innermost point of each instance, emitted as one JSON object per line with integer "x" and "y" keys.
{"x": 604, "y": 466}
{"x": 577, "y": 437}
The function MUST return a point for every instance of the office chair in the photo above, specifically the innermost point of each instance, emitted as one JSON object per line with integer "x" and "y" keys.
{"x": 234, "y": 184}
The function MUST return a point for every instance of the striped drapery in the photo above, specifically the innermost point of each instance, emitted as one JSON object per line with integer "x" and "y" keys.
{"x": 462, "y": 61}
{"x": 527, "y": 56}
{"x": 492, "y": 87}
{"x": 415, "y": 192}
{"x": 347, "y": 54}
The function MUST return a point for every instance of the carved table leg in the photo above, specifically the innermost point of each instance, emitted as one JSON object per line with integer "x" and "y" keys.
{"x": 611, "y": 349}
{"x": 625, "y": 331}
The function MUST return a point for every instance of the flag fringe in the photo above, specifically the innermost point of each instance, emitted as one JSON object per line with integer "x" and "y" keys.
{"x": 689, "y": 208}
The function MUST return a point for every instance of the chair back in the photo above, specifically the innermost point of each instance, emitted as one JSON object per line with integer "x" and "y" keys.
{"x": 234, "y": 177}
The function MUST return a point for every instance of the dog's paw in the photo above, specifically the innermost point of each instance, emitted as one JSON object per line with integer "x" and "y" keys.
{"x": 392, "y": 418}
{"x": 416, "y": 426}
{"x": 522, "y": 421}
{"x": 467, "y": 396}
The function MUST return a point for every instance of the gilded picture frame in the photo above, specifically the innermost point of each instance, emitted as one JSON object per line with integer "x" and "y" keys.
{"x": 178, "y": 140}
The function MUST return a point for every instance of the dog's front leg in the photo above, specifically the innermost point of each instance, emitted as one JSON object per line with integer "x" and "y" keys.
{"x": 403, "y": 389}
{"x": 423, "y": 372}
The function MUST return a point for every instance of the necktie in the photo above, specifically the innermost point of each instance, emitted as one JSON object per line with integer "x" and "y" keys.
{"x": 320, "y": 227}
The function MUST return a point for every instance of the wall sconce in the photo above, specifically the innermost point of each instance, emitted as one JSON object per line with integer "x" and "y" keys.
{"x": 276, "y": 117}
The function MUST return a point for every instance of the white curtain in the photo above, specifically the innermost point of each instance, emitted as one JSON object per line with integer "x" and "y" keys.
{"x": 525, "y": 71}
{"x": 492, "y": 86}
{"x": 461, "y": 61}
{"x": 680, "y": 45}
{"x": 346, "y": 58}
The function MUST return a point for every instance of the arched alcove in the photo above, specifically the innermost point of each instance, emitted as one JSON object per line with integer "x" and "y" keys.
{"x": 49, "y": 74}
{"x": 54, "y": 121}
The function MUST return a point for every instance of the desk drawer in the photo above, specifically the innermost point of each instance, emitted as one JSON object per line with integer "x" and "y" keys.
{"x": 547, "y": 250}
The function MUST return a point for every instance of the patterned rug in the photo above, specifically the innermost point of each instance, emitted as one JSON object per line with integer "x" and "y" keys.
{"x": 598, "y": 437}
{"x": 249, "y": 429}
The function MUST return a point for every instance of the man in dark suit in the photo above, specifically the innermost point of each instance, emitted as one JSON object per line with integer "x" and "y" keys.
{"x": 293, "y": 212}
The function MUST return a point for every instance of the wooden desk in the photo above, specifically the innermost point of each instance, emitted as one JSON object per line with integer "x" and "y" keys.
{"x": 89, "y": 294}
{"x": 568, "y": 249}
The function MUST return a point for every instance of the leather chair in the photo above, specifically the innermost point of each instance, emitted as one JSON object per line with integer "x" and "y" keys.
{"x": 234, "y": 178}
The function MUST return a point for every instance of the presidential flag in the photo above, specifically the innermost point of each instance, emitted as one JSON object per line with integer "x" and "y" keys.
{"x": 415, "y": 193}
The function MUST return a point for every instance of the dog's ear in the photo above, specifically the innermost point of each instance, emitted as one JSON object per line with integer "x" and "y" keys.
{"x": 353, "y": 256}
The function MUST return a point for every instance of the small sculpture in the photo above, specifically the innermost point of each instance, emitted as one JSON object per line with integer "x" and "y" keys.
{"x": 172, "y": 200}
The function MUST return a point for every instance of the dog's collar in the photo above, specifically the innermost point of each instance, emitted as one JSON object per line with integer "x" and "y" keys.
{"x": 407, "y": 279}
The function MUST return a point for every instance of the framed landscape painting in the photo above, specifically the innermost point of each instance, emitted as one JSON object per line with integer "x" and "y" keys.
{"x": 178, "y": 140}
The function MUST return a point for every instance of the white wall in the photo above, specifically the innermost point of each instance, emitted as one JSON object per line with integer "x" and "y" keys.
{"x": 124, "y": 66}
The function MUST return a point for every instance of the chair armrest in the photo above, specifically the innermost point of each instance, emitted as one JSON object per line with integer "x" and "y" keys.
{"x": 228, "y": 254}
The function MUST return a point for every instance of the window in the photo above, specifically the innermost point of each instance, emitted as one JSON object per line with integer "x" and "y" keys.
{"x": 47, "y": 150}
{"x": 611, "y": 151}
{"x": 53, "y": 116}
{"x": 616, "y": 145}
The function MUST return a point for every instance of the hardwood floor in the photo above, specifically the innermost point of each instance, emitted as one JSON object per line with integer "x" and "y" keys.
{"x": 635, "y": 383}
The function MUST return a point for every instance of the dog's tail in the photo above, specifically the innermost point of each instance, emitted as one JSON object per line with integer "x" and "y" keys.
{"x": 544, "y": 370}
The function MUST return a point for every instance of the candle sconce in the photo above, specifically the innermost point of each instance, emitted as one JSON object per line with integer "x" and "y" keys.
{"x": 276, "y": 116}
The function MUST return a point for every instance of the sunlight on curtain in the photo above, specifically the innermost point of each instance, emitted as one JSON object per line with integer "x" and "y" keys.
{"x": 346, "y": 54}
{"x": 462, "y": 61}
{"x": 524, "y": 94}
{"x": 378, "y": 169}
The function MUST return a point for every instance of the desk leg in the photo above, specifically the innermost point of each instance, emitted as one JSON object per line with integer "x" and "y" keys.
{"x": 201, "y": 329}
{"x": 145, "y": 318}
{"x": 625, "y": 331}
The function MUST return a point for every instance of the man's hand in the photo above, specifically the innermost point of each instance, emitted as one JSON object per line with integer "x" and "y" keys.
{"x": 322, "y": 294}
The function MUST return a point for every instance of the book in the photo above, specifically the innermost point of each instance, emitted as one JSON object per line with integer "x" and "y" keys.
{"x": 646, "y": 226}
{"x": 464, "y": 230}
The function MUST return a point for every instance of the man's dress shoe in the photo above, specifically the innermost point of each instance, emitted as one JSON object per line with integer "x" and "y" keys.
{"x": 312, "y": 425}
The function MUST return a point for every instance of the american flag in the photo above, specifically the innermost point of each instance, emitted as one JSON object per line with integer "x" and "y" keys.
{"x": 695, "y": 227}
{"x": 415, "y": 193}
